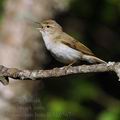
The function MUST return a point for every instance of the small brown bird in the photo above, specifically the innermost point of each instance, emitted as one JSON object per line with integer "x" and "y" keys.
{"x": 63, "y": 47}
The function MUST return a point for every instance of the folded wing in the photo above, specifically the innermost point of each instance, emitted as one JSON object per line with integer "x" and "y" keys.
{"x": 71, "y": 42}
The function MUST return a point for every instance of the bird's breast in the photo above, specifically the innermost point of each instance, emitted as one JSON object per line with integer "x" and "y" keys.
{"x": 63, "y": 53}
{"x": 48, "y": 40}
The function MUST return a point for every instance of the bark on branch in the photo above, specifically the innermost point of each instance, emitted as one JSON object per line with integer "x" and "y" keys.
{"x": 57, "y": 72}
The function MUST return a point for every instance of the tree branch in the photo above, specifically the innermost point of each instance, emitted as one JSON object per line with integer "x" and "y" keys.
{"x": 57, "y": 72}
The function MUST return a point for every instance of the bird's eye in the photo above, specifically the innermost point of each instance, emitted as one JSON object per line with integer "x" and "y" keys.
{"x": 48, "y": 26}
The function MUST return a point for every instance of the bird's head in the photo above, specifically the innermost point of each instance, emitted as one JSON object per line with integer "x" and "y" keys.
{"x": 49, "y": 27}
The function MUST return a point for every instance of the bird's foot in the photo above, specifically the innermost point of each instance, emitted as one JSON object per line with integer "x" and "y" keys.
{"x": 69, "y": 65}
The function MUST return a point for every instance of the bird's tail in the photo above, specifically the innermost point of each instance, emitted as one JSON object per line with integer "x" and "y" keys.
{"x": 92, "y": 59}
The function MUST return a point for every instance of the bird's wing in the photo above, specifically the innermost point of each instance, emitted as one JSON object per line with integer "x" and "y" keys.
{"x": 71, "y": 42}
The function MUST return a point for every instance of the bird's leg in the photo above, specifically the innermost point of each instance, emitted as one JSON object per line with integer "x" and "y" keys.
{"x": 69, "y": 65}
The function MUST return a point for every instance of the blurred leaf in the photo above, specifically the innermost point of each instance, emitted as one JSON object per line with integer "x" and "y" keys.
{"x": 83, "y": 90}
{"x": 81, "y": 8}
{"x": 59, "y": 108}
{"x": 1, "y": 7}
{"x": 112, "y": 114}
{"x": 109, "y": 13}
{"x": 114, "y": 2}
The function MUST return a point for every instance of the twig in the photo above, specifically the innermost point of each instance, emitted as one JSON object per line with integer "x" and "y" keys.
{"x": 57, "y": 72}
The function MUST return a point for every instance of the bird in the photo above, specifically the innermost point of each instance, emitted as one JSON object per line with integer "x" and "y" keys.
{"x": 63, "y": 47}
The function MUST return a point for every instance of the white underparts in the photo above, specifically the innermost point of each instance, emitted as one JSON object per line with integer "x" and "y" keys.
{"x": 60, "y": 51}
{"x": 64, "y": 53}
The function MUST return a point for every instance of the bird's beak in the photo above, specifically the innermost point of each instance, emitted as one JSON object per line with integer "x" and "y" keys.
{"x": 39, "y": 26}
{"x": 40, "y": 29}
